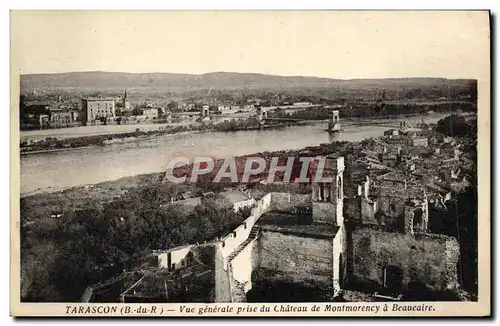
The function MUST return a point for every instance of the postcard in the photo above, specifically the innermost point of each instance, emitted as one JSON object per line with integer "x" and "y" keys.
{"x": 250, "y": 163}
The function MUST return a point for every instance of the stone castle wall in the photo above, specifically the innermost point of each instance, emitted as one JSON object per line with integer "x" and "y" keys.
{"x": 429, "y": 259}
{"x": 233, "y": 240}
{"x": 222, "y": 279}
{"x": 240, "y": 269}
{"x": 243, "y": 264}
{"x": 294, "y": 259}
{"x": 287, "y": 202}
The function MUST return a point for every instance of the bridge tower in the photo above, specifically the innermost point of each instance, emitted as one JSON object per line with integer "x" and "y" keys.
{"x": 205, "y": 113}
{"x": 261, "y": 115}
{"x": 334, "y": 124}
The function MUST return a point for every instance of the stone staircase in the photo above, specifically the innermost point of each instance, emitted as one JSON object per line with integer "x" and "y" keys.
{"x": 254, "y": 233}
{"x": 238, "y": 293}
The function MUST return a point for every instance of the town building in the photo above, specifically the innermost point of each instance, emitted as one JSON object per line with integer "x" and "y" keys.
{"x": 123, "y": 104}
{"x": 303, "y": 104}
{"x": 59, "y": 119}
{"x": 34, "y": 115}
{"x": 391, "y": 249}
{"x": 150, "y": 113}
{"x": 96, "y": 110}
{"x": 419, "y": 141}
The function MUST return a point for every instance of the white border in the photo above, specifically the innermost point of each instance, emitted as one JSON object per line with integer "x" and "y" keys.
{"x": 186, "y": 4}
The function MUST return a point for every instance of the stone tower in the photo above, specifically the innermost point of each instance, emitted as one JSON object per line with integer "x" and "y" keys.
{"x": 334, "y": 124}
{"x": 125, "y": 102}
{"x": 328, "y": 193}
{"x": 261, "y": 114}
{"x": 416, "y": 216}
{"x": 205, "y": 111}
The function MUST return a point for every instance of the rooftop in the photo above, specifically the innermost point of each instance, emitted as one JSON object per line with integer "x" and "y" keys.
{"x": 234, "y": 196}
{"x": 164, "y": 286}
{"x": 99, "y": 99}
{"x": 296, "y": 223}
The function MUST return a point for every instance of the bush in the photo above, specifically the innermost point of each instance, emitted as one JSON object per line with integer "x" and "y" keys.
{"x": 71, "y": 250}
{"x": 456, "y": 125}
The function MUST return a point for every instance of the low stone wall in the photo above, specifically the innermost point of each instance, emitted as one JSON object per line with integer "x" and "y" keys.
{"x": 242, "y": 204}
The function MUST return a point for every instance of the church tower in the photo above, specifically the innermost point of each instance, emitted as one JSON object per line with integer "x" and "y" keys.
{"x": 126, "y": 103}
{"x": 328, "y": 194}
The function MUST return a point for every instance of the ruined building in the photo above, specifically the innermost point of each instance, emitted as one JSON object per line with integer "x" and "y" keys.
{"x": 389, "y": 247}
{"x": 300, "y": 248}
{"x": 299, "y": 253}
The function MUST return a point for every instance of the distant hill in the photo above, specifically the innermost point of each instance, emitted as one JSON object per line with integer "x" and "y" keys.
{"x": 216, "y": 80}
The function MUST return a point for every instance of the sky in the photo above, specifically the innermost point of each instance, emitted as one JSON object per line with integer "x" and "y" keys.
{"x": 309, "y": 43}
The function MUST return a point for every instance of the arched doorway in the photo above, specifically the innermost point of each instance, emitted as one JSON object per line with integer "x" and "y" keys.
{"x": 392, "y": 280}
{"x": 418, "y": 219}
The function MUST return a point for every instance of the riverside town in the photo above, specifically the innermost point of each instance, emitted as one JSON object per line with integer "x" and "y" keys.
{"x": 342, "y": 170}
{"x": 253, "y": 166}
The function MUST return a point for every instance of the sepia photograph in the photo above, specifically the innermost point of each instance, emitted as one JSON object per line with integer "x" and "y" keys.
{"x": 251, "y": 163}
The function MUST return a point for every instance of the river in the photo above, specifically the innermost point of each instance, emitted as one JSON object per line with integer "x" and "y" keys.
{"x": 59, "y": 170}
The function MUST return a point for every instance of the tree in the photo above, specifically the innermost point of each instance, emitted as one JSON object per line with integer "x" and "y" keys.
{"x": 172, "y": 106}
{"x": 455, "y": 125}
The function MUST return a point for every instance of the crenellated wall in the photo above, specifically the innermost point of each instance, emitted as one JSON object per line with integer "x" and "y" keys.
{"x": 240, "y": 254}
{"x": 272, "y": 201}
{"x": 234, "y": 276}
{"x": 233, "y": 240}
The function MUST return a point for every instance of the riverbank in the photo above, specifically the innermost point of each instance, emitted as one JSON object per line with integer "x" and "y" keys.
{"x": 52, "y": 144}
{"x": 114, "y": 141}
